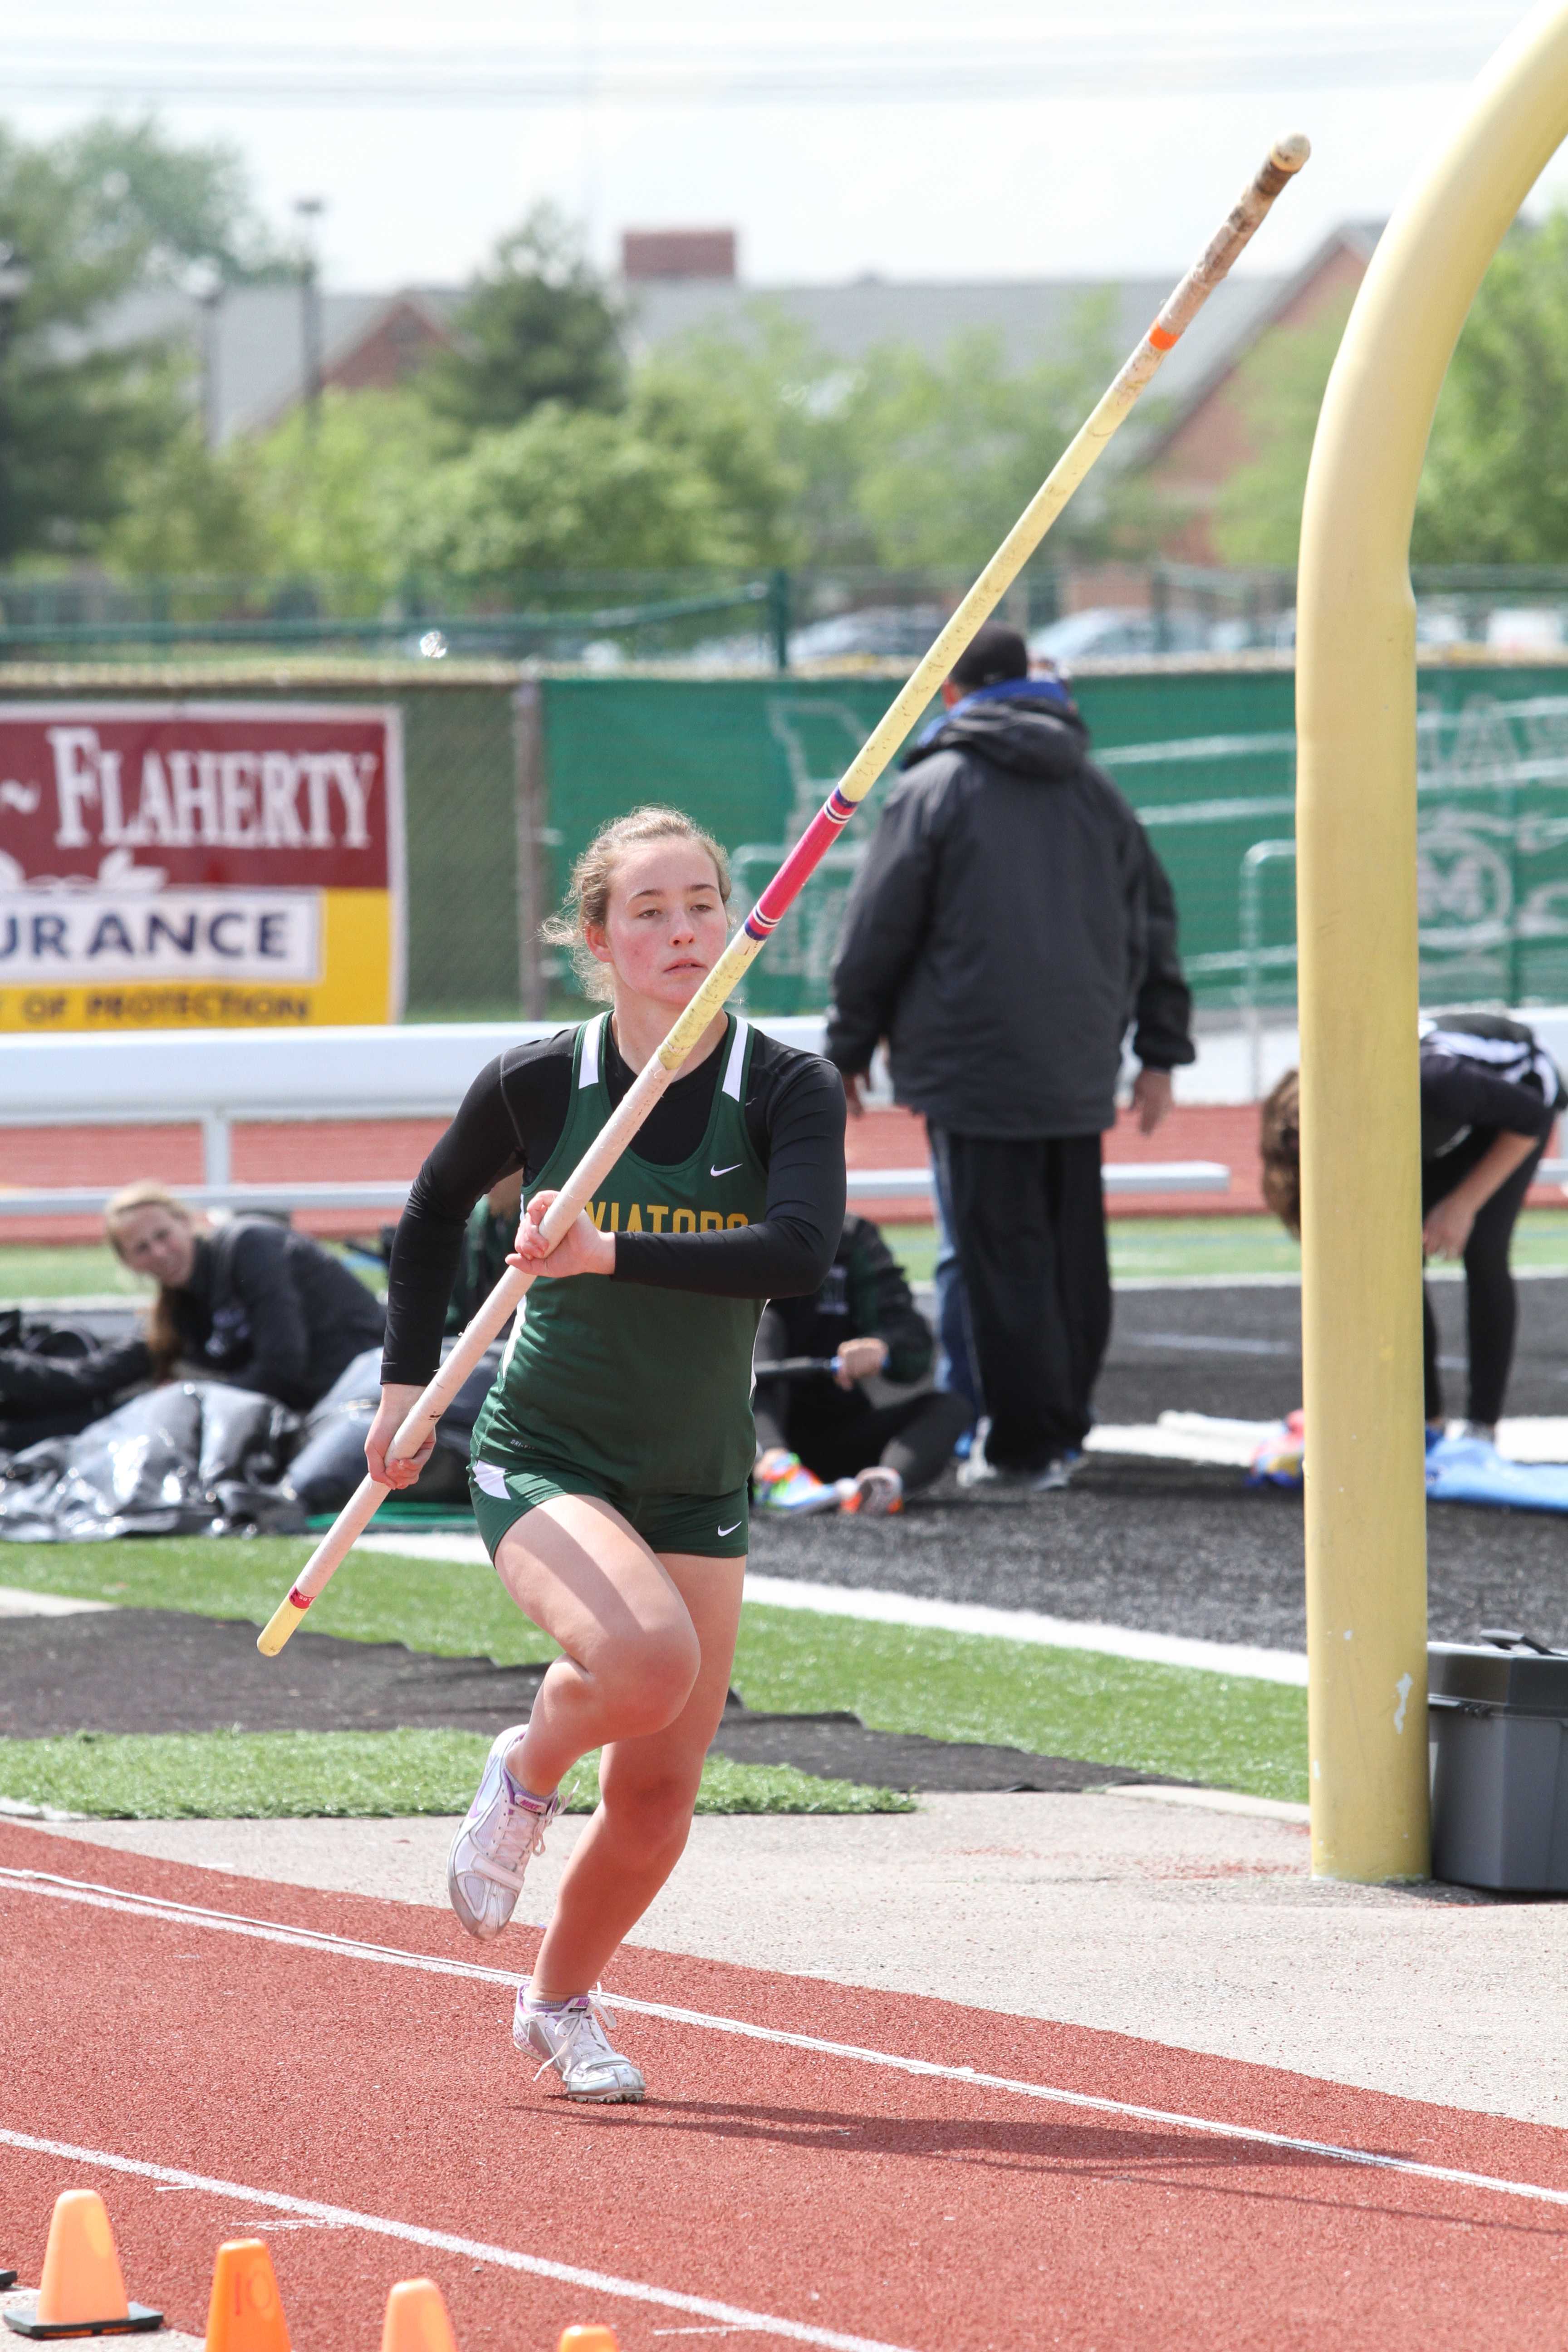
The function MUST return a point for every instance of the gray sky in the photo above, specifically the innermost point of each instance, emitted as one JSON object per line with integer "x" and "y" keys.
{"x": 838, "y": 136}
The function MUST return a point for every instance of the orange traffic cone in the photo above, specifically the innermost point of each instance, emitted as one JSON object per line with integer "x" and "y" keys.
{"x": 244, "y": 2313}
{"x": 589, "y": 2339}
{"x": 82, "y": 2291}
{"x": 417, "y": 2319}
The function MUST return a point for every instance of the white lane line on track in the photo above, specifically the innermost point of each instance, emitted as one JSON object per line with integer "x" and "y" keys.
{"x": 272, "y": 1931}
{"x": 473, "y": 2250}
{"x": 878, "y": 1608}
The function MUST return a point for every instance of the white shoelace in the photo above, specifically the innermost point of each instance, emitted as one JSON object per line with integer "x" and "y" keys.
{"x": 578, "y": 2024}
{"x": 521, "y": 1837}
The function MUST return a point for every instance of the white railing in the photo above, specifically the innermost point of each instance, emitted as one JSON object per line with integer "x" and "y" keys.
{"x": 865, "y": 1184}
{"x": 220, "y": 1079}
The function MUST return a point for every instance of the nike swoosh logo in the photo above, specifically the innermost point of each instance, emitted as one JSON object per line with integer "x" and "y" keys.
{"x": 729, "y": 1531}
{"x": 724, "y": 1171}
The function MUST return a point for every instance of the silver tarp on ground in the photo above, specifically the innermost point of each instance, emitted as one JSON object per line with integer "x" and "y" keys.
{"x": 194, "y": 1458}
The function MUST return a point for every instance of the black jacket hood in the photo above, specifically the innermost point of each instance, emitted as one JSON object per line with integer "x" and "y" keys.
{"x": 1045, "y": 740}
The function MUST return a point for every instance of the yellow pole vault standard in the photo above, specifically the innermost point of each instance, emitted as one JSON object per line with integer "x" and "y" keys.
{"x": 868, "y": 765}
{"x": 1360, "y": 1178}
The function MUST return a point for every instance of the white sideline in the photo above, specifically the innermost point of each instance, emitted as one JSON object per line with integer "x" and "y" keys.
{"x": 947, "y": 1617}
{"x": 473, "y": 2250}
{"x": 15, "y": 1603}
{"x": 188, "y": 1916}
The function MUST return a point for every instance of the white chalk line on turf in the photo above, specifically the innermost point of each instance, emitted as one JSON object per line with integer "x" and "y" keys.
{"x": 473, "y": 2250}
{"x": 272, "y": 1931}
{"x": 877, "y": 1608}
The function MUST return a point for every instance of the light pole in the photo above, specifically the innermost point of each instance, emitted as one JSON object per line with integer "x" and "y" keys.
{"x": 208, "y": 289}
{"x": 309, "y": 210}
{"x": 16, "y": 277}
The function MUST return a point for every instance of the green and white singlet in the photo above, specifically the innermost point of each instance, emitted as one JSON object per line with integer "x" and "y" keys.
{"x": 643, "y": 1390}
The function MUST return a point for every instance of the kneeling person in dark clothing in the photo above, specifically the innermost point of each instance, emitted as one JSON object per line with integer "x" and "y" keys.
{"x": 250, "y": 1302}
{"x": 490, "y": 1233}
{"x": 821, "y": 1440}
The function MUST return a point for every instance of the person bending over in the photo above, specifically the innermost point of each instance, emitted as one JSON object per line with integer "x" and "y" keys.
{"x": 611, "y": 1460}
{"x": 250, "y": 1302}
{"x": 821, "y": 1440}
{"x": 1489, "y": 1098}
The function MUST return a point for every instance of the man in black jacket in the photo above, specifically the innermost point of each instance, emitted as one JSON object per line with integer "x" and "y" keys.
{"x": 1011, "y": 920}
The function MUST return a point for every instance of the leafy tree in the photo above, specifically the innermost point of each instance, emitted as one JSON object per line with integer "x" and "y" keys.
{"x": 950, "y": 451}
{"x": 537, "y": 327}
{"x": 703, "y": 402}
{"x": 335, "y": 500}
{"x": 168, "y": 211}
{"x": 1495, "y": 490}
{"x": 342, "y": 498}
{"x": 94, "y": 216}
{"x": 900, "y": 460}
{"x": 1281, "y": 384}
{"x": 793, "y": 466}
{"x": 185, "y": 511}
{"x": 571, "y": 489}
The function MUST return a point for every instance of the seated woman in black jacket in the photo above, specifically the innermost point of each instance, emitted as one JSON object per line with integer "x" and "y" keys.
{"x": 250, "y": 1302}
{"x": 821, "y": 1441}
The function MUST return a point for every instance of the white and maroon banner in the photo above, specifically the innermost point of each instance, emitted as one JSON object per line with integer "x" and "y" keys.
{"x": 216, "y": 864}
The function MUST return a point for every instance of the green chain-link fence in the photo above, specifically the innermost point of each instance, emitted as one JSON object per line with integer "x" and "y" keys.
{"x": 507, "y": 776}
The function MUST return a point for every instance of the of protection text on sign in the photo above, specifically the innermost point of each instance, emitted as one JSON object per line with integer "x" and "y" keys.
{"x": 199, "y": 865}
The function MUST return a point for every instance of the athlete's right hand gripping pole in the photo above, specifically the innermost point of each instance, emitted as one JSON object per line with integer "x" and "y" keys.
{"x": 619, "y": 1131}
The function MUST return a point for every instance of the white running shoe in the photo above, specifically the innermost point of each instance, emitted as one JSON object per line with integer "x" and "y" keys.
{"x": 876, "y": 1492}
{"x": 502, "y": 1830}
{"x": 572, "y": 2040}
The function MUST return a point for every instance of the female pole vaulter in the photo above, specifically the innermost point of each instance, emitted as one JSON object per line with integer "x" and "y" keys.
{"x": 611, "y": 1460}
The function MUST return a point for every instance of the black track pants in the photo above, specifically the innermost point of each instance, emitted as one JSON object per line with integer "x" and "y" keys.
{"x": 837, "y": 1431}
{"x": 915, "y": 1437}
{"x": 1491, "y": 1305}
{"x": 1030, "y": 1228}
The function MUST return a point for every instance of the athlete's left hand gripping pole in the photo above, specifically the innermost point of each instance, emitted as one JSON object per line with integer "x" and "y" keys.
{"x": 619, "y": 1131}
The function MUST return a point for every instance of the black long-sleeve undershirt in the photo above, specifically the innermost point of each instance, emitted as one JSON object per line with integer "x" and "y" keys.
{"x": 513, "y": 1117}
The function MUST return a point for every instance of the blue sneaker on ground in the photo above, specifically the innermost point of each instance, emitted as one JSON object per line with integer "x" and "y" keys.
{"x": 780, "y": 1482}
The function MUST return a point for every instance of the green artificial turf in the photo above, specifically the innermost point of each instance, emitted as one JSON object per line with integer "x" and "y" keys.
{"x": 1167, "y": 1249}
{"x": 1185, "y": 1249}
{"x": 1227, "y": 1731}
{"x": 77, "y": 1270}
{"x": 1177, "y": 1249}
{"x": 90, "y": 1270}
{"x": 286, "y": 1775}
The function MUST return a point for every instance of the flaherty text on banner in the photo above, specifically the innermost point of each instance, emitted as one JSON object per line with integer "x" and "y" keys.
{"x": 199, "y": 865}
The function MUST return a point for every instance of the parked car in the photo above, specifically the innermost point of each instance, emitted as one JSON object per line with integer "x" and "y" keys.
{"x": 880, "y": 632}
{"x": 1105, "y": 633}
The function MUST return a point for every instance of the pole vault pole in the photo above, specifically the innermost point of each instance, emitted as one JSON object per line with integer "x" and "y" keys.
{"x": 1074, "y": 462}
{"x": 1357, "y": 925}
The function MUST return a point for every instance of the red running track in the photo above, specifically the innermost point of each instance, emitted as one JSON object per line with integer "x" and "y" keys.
{"x": 308, "y": 2092}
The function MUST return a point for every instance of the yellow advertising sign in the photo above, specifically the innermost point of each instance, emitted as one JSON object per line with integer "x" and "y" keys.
{"x": 200, "y": 866}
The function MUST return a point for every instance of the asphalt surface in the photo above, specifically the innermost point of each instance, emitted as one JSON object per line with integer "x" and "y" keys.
{"x": 1196, "y": 1552}
{"x": 138, "y": 1670}
{"x": 1186, "y": 1551}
